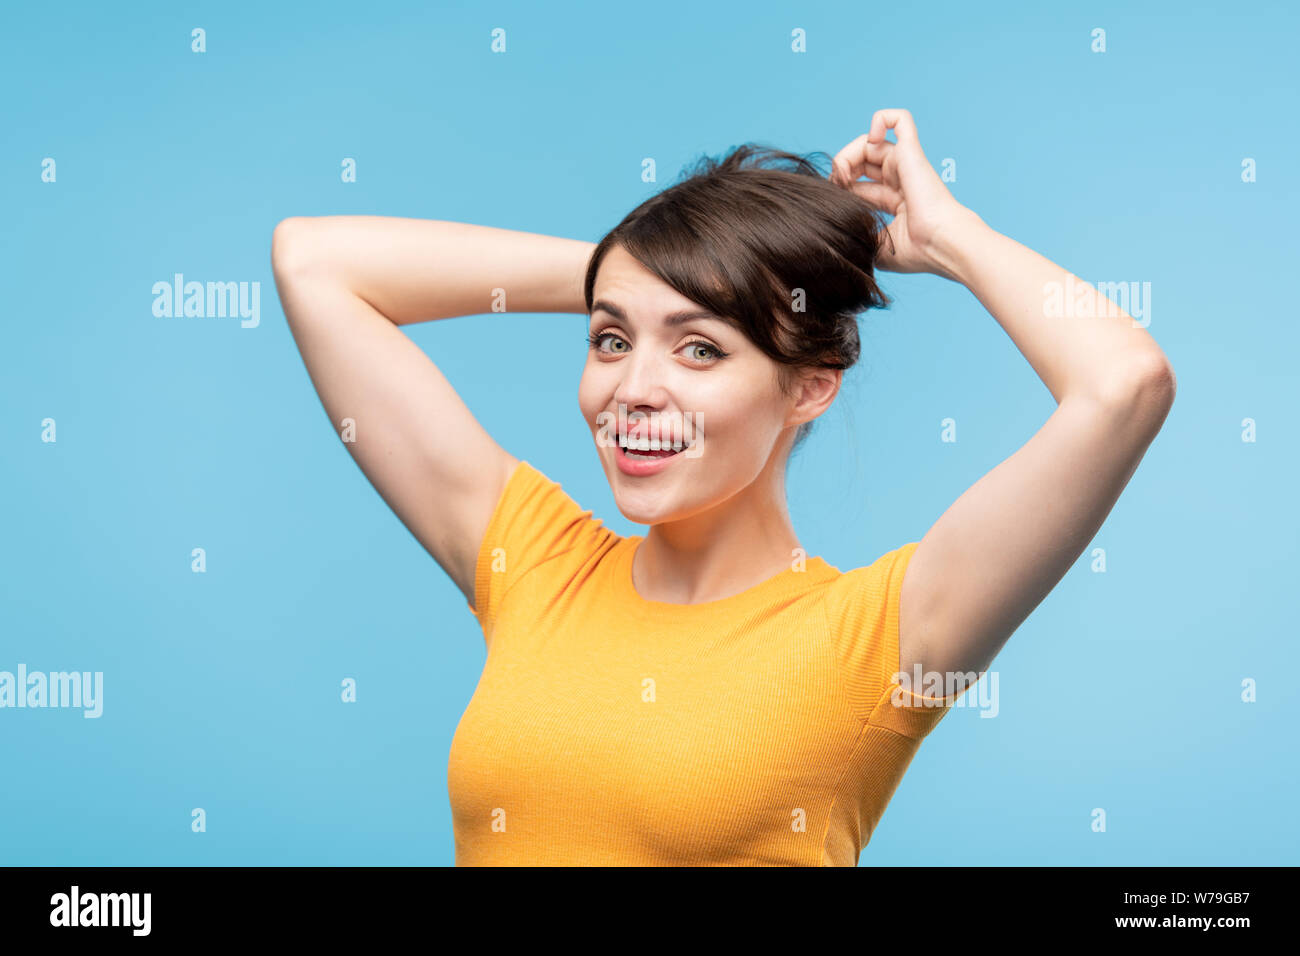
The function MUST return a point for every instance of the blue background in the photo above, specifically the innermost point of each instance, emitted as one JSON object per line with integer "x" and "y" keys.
{"x": 1121, "y": 691}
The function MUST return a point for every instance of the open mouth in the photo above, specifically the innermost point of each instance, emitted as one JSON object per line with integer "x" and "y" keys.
{"x": 646, "y": 449}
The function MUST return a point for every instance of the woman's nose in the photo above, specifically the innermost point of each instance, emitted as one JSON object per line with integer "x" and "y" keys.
{"x": 641, "y": 384}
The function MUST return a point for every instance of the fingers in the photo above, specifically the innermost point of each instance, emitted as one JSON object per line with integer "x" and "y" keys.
{"x": 900, "y": 121}
{"x": 882, "y": 197}
{"x": 866, "y": 169}
{"x": 859, "y": 158}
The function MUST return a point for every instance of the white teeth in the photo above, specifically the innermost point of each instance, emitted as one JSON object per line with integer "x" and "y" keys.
{"x": 652, "y": 444}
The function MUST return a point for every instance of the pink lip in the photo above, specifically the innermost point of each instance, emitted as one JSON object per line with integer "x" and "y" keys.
{"x": 642, "y": 468}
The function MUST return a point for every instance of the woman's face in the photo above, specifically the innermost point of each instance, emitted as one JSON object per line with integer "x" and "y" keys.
{"x": 660, "y": 369}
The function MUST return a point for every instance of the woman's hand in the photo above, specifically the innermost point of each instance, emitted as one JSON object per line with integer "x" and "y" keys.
{"x": 903, "y": 184}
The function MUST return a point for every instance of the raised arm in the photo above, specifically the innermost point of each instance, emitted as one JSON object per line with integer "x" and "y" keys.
{"x": 346, "y": 283}
{"x": 1002, "y": 546}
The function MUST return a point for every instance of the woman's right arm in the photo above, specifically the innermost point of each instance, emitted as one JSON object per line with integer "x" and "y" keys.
{"x": 346, "y": 283}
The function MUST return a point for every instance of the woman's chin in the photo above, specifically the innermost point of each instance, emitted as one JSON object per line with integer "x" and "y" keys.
{"x": 640, "y": 515}
{"x": 637, "y": 509}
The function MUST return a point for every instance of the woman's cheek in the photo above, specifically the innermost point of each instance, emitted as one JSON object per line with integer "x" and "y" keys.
{"x": 590, "y": 399}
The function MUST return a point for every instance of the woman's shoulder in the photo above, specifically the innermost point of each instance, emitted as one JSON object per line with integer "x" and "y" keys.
{"x": 874, "y": 581}
{"x": 864, "y": 610}
{"x": 536, "y": 522}
{"x": 534, "y": 498}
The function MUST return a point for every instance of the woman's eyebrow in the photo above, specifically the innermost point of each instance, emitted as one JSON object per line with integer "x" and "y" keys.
{"x": 679, "y": 317}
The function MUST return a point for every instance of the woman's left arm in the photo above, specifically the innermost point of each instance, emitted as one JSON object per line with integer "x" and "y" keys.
{"x": 1002, "y": 546}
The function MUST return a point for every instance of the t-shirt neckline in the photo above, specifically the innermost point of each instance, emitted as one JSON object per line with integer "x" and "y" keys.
{"x": 781, "y": 584}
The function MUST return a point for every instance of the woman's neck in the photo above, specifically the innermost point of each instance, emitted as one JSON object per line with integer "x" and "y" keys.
{"x": 719, "y": 553}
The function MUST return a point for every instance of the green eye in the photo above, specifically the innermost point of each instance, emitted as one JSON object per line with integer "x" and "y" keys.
{"x": 596, "y": 340}
{"x": 711, "y": 352}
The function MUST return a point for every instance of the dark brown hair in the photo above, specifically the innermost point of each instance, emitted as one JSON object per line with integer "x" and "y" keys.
{"x": 753, "y": 236}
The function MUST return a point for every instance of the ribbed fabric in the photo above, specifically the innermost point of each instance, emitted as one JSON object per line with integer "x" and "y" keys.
{"x": 609, "y": 730}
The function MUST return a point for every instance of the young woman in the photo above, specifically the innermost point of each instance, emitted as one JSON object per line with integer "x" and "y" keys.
{"x": 707, "y": 693}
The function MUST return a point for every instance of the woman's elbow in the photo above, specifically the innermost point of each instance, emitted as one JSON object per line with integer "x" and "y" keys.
{"x": 287, "y": 244}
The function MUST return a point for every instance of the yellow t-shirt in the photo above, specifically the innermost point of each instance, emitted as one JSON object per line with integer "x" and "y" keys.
{"x": 611, "y": 730}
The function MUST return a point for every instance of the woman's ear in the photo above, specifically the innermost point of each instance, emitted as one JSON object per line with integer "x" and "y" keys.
{"x": 815, "y": 389}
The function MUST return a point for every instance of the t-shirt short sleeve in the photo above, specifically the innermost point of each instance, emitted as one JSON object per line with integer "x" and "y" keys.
{"x": 535, "y": 521}
{"x": 863, "y": 609}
